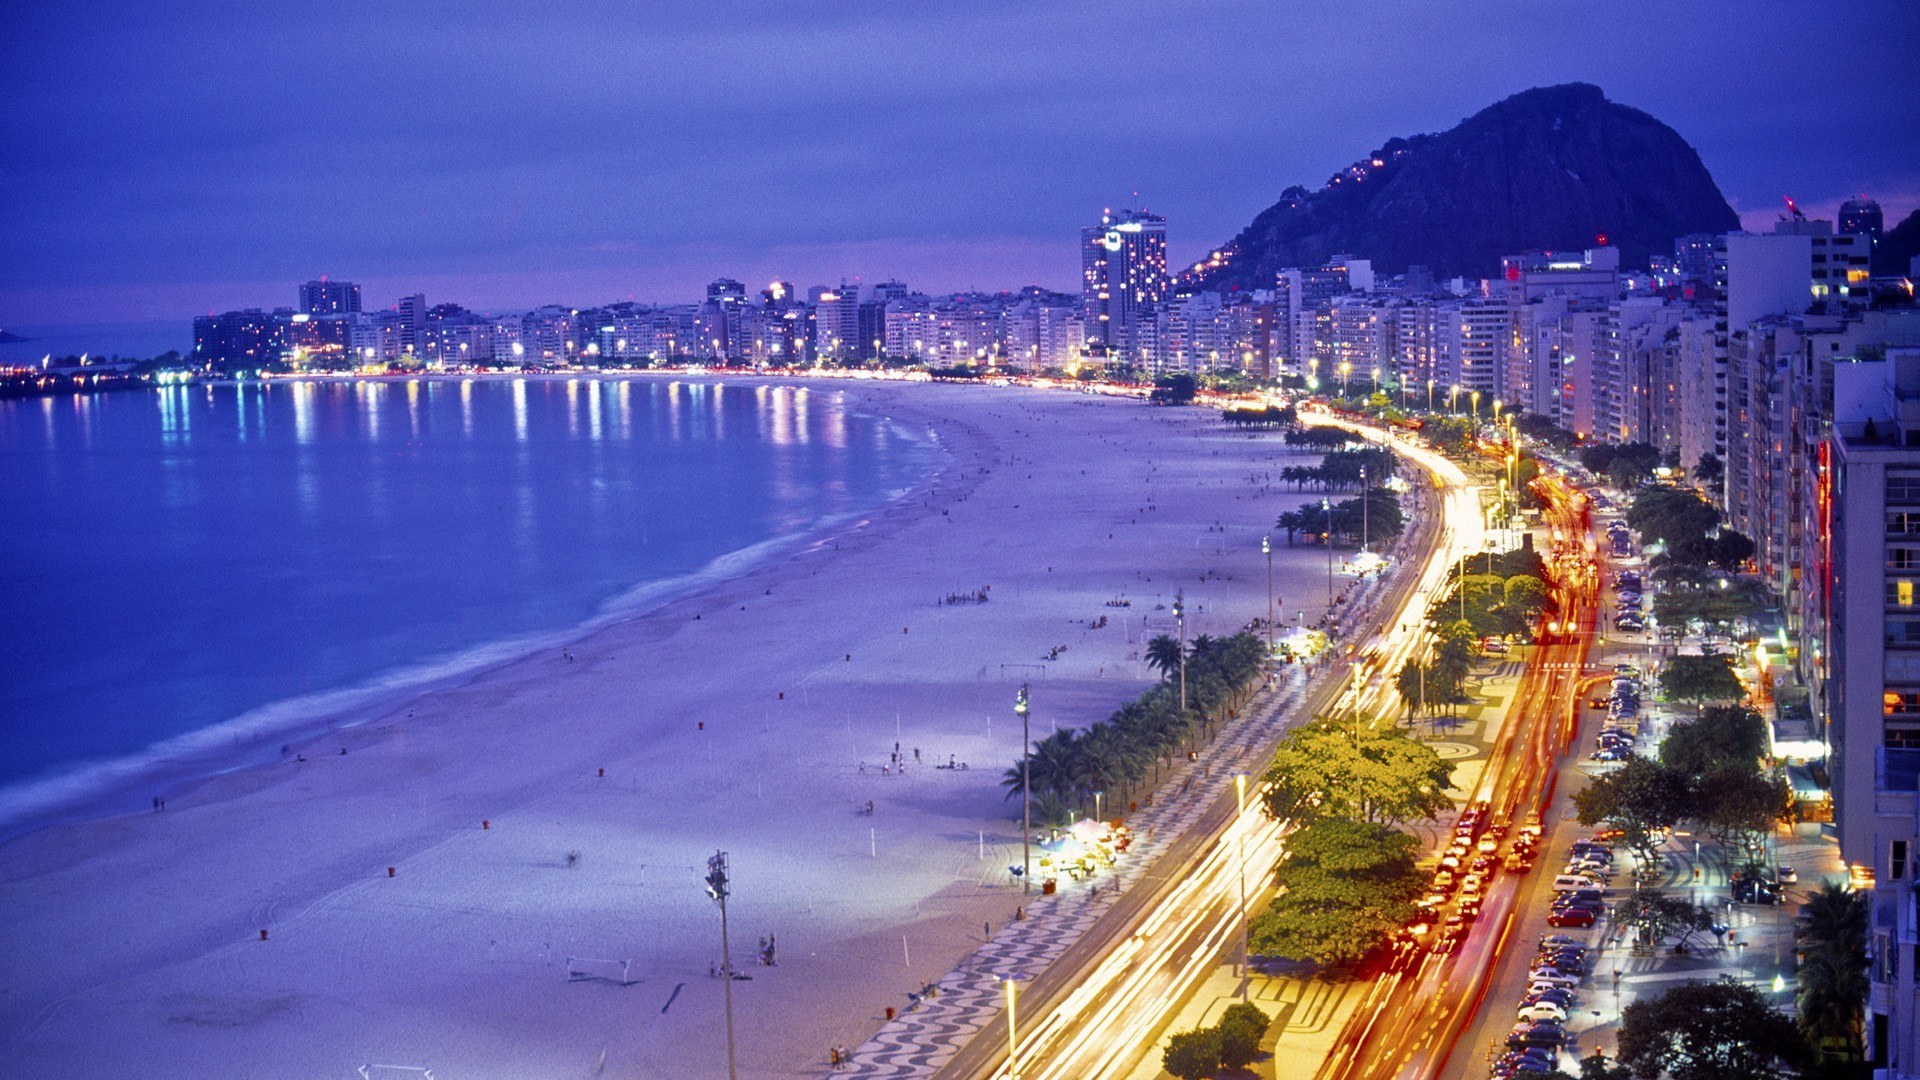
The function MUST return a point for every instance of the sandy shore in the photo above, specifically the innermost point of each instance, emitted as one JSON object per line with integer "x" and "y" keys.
{"x": 738, "y": 718}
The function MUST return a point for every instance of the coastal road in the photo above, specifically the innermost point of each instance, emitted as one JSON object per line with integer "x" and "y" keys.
{"x": 1411, "y": 1023}
{"x": 1098, "y": 1013}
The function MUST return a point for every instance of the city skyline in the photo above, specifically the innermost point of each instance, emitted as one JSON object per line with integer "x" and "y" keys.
{"x": 572, "y": 159}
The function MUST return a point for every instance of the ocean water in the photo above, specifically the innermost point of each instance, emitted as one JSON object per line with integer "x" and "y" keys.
{"x": 184, "y": 567}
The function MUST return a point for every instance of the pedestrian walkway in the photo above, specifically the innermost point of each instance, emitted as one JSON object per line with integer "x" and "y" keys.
{"x": 917, "y": 1042}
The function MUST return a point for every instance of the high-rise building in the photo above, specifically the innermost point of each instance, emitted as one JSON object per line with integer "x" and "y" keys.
{"x": 1123, "y": 278}
{"x": 325, "y": 297}
{"x": 1871, "y": 556}
{"x": 1860, "y": 216}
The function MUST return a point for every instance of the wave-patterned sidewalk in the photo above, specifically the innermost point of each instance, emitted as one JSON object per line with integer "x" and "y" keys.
{"x": 916, "y": 1043}
{"x": 919, "y": 1041}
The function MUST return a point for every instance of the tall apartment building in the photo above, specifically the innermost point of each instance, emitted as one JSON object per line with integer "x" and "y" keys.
{"x": 1123, "y": 278}
{"x": 836, "y": 325}
{"x": 1871, "y": 557}
{"x": 1299, "y": 298}
{"x": 325, "y": 297}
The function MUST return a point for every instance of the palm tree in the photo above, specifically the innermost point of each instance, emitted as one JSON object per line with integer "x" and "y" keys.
{"x": 1163, "y": 654}
{"x": 1832, "y": 992}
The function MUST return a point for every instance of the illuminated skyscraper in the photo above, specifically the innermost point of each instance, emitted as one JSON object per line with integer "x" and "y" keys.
{"x": 1123, "y": 276}
{"x": 325, "y": 297}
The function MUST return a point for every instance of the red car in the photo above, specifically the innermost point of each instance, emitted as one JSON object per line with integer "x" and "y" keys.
{"x": 1579, "y": 917}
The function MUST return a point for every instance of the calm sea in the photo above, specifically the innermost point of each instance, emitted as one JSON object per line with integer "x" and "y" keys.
{"x": 182, "y": 566}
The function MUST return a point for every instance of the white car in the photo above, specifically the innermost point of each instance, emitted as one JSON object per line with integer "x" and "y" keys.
{"x": 1542, "y": 1010}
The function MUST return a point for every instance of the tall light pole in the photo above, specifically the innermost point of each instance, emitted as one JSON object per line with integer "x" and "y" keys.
{"x": 1180, "y": 621}
{"x": 1326, "y": 509}
{"x": 1346, "y": 368}
{"x": 1453, "y": 396}
{"x": 1430, "y": 395}
{"x": 1266, "y": 548}
{"x": 717, "y": 888}
{"x": 1013, "y": 1039}
{"x": 1240, "y": 856}
{"x": 1475, "y": 396}
{"x": 1363, "y": 509}
{"x": 1026, "y": 793}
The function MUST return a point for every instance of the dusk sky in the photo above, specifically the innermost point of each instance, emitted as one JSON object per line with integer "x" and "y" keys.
{"x": 164, "y": 160}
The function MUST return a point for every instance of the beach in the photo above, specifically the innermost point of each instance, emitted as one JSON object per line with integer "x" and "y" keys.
{"x": 415, "y": 890}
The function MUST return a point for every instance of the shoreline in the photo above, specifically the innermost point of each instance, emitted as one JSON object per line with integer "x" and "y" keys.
{"x": 104, "y": 787}
{"x": 726, "y": 718}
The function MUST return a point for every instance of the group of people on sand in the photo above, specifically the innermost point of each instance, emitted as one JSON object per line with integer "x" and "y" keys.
{"x": 897, "y": 762}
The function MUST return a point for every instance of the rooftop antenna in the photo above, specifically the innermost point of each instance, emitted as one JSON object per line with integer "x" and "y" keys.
{"x": 1793, "y": 210}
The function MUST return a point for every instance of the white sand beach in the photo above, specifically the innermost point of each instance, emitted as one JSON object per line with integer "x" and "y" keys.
{"x": 737, "y": 719}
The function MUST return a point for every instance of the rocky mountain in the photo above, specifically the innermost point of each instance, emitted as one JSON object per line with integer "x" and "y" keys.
{"x": 1897, "y": 247}
{"x": 1553, "y": 168}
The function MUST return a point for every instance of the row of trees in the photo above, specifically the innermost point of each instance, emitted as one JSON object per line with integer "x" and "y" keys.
{"x": 1341, "y": 470}
{"x": 1130, "y": 747}
{"x": 1709, "y": 772}
{"x": 1350, "y": 876}
{"x": 1374, "y": 514}
{"x": 1625, "y": 465}
{"x": 1689, "y": 526}
{"x": 1271, "y": 416}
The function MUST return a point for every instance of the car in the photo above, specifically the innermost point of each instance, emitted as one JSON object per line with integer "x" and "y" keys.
{"x": 1611, "y": 755}
{"x": 1565, "y": 959}
{"x": 1487, "y": 845}
{"x": 1447, "y": 941}
{"x": 1788, "y": 875}
{"x": 1443, "y": 881}
{"x": 1561, "y": 999}
{"x": 1586, "y": 898}
{"x": 1482, "y": 865}
{"x": 1578, "y": 917}
{"x": 1564, "y": 883}
{"x": 1551, "y": 977}
{"x": 1542, "y": 1010}
{"x": 1562, "y": 939}
{"x": 1515, "y": 863}
{"x": 1540, "y": 1033}
{"x": 1495, "y": 646}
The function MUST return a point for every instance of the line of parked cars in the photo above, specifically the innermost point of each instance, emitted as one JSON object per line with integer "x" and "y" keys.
{"x": 1561, "y": 964}
{"x": 1622, "y": 703}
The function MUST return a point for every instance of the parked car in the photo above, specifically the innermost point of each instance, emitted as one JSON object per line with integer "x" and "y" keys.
{"x": 1542, "y": 1010}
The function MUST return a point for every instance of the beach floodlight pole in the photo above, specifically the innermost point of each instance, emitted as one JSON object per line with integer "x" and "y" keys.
{"x": 1180, "y": 622}
{"x": 1240, "y": 857}
{"x": 1266, "y": 548}
{"x": 1363, "y": 509}
{"x": 1013, "y": 1039}
{"x": 718, "y": 889}
{"x": 1326, "y": 508}
{"x": 1026, "y": 794}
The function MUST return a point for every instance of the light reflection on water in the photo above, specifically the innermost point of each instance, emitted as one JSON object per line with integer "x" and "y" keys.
{"x": 246, "y": 545}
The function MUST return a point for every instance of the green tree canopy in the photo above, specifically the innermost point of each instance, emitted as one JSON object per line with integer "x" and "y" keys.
{"x": 1193, "y": 1055}
{"x": 1364, "y": 770}
{"x": 1639, "y": 798}
{"x": 1721, "y": 734}
{"x": 1710, "y": 1031}
{"x": 1700, "y": 678}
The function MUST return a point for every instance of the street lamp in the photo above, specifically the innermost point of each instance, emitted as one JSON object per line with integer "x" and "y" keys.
{"x": 1346, "y": 368}
{"x": 1013, "y": 1039}
{"x": 1326, "y": 509}
{"x": 1180, "y": 621}
{"x": 1430, "y": 395}
{"x": 1363, "y": 509}
{"x": 1240, "y": 855}
{"x": 1476, "y": 408}
{"x": 1496, "y": 411}
{"x": 717, "y": 888}
{"x": 1026, "y": 793}
{"x": 1266, "y": 548}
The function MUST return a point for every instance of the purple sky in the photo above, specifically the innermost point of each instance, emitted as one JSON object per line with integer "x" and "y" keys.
{"x": 167, "y": 159}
